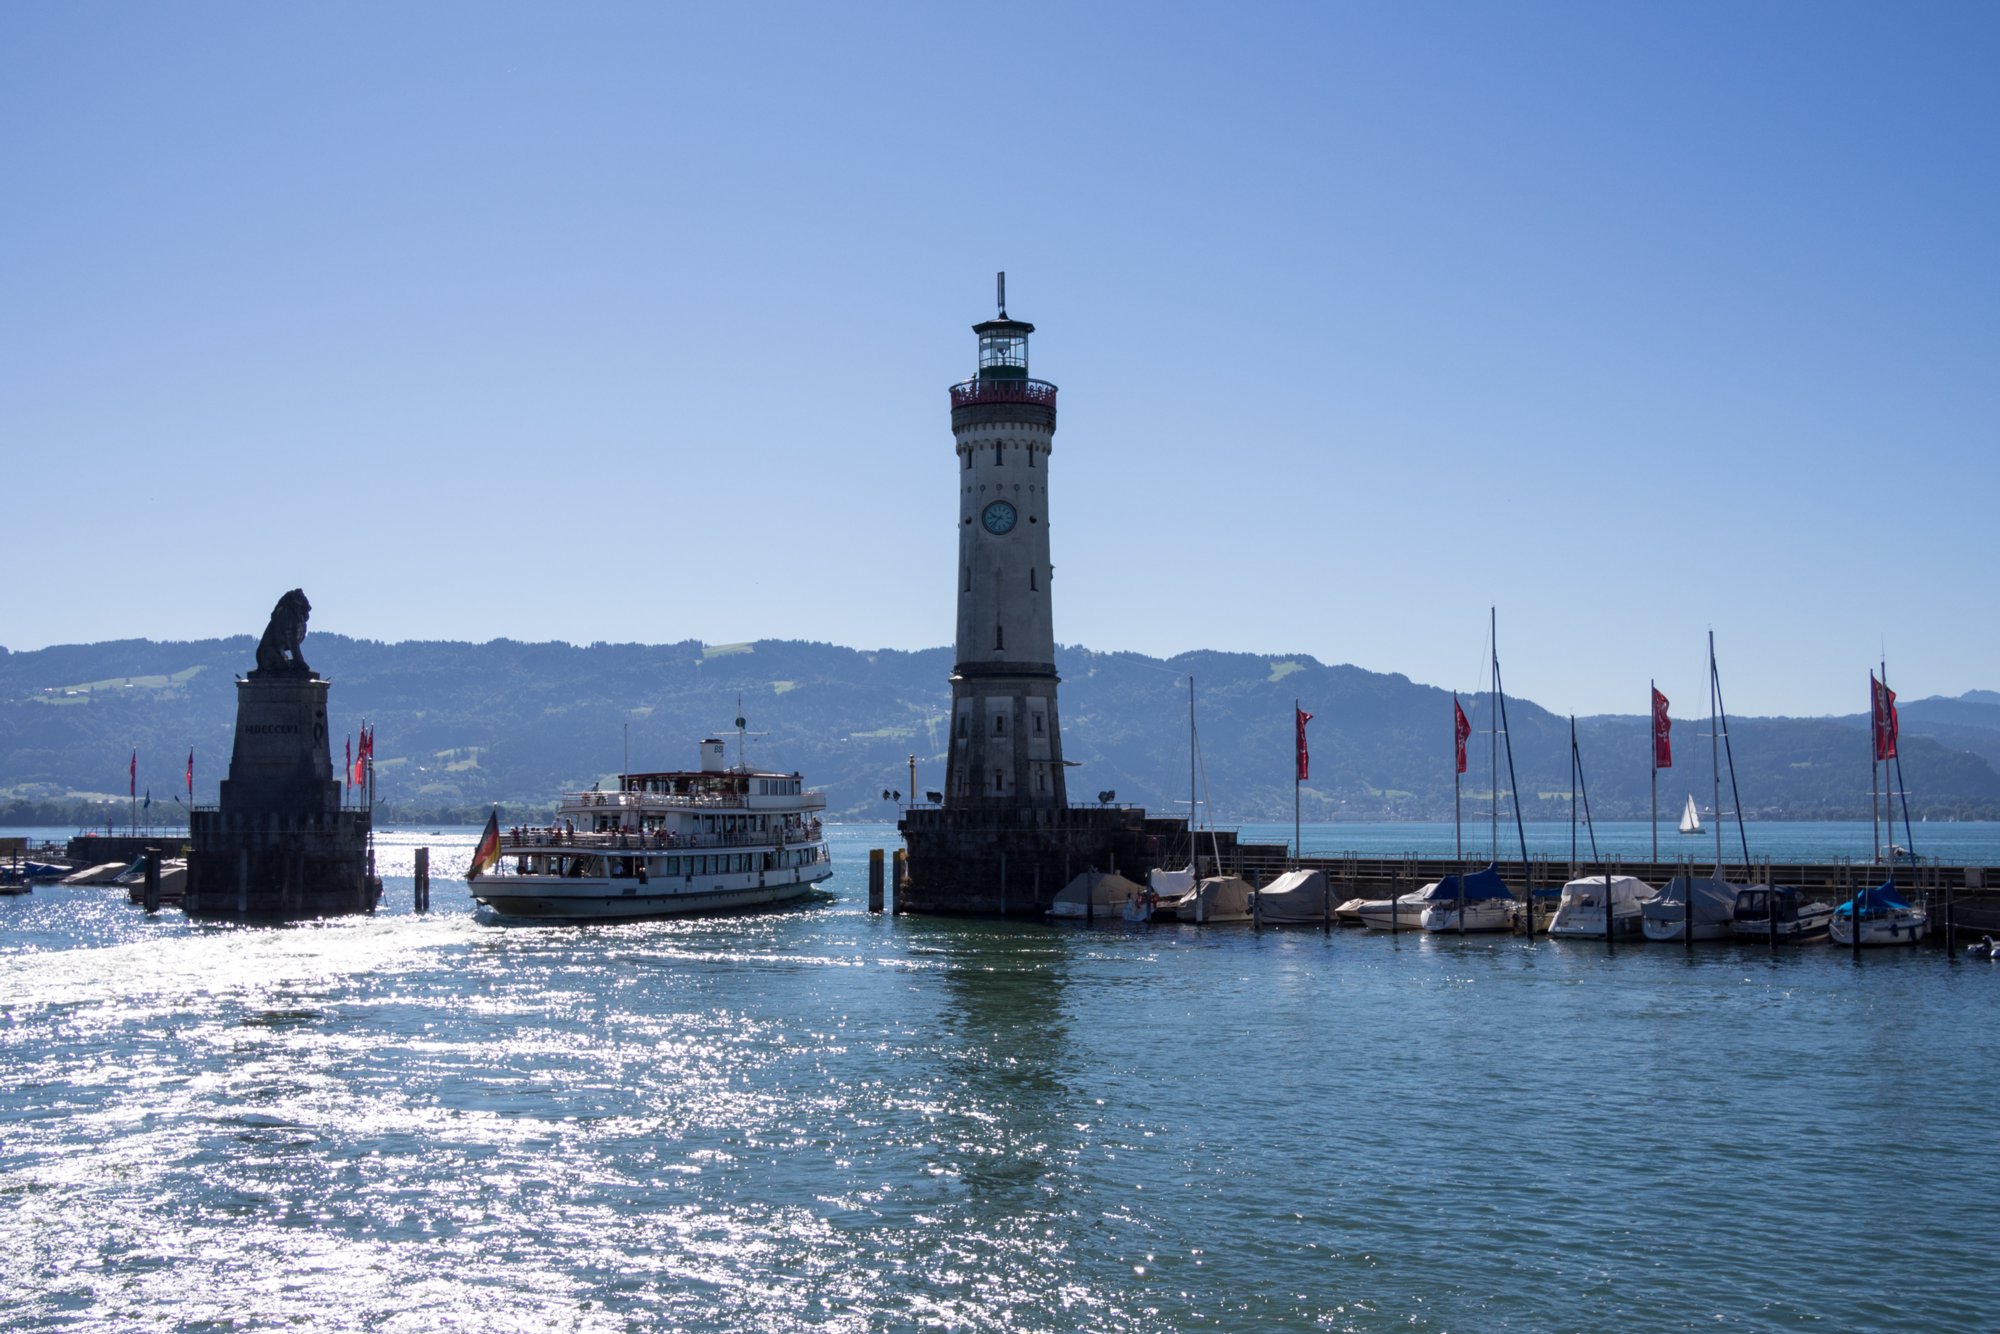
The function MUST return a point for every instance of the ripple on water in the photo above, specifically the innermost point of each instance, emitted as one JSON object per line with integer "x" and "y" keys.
{"x": 828, "y": 1120}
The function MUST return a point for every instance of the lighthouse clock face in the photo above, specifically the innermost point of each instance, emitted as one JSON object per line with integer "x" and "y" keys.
{"x": 999, "y": 517}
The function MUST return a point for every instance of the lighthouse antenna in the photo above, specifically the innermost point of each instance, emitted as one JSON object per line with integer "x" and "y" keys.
{"x": 1002, "y": 284}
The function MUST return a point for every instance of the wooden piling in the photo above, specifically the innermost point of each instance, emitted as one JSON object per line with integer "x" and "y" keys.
{"x": 420, "y": 894}
{"x": 874, "y": 880}
{"x": 152, "y": 895}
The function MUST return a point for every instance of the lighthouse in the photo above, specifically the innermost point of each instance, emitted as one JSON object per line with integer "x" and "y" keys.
{"x": 1002, "y": 838}
{"x": 1006, "y": 744}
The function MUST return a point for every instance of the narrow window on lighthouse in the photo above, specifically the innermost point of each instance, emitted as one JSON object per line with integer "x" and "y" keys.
{"x": 1031, "y": 578}
{"x": 998, "y": 460}
{"x": 968, "y": 578}
{"x": 1031, "y": 456}
{"x": 999, "y": 724}
{"x": 999, "y": 636}
{"x": 999, "y": 780}
{"x": 1038, "y": 723}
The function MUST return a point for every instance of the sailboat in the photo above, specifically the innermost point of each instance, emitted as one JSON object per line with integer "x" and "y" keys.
{"x": 1168, "y": 888}
{"x": 1690, "y": 818}
{"x": 1883, "y": 915}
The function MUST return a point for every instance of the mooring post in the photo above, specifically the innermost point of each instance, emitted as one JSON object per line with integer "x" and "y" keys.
{"x": 1687, "y": 907}
{"x": 152, "y": 859}
{"x": 1395, "y": 896}
{"x": 420, "y": 893}
{"x": 874, "y": 880}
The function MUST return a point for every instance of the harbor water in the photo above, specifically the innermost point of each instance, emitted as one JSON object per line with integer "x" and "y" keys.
{"x": 823, "y": 1119}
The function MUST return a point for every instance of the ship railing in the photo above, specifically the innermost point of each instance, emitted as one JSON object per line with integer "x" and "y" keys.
{"x": 632, "y": 840}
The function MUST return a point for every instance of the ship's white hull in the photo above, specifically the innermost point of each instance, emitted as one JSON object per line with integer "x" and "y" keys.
{"x": 577, "y": 899}
{"x": 1673, "y": 928}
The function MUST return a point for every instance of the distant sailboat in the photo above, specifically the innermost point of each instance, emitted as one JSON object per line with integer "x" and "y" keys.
{"x": 1690, "y": 820}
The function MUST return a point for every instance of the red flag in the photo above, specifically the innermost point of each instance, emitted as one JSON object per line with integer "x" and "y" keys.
{"x": 1663, "y": 748}
{"x": 133, "y": 786}
{"x": 1885, "y": 718}
{"x": 190, "y": 773}
{"x": 1461, "y": 728}
{"x": 347, "y": 764}
{"x": 1305, "y": 758}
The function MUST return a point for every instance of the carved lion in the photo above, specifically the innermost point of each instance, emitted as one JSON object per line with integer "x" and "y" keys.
{"x": 278, "y": 650}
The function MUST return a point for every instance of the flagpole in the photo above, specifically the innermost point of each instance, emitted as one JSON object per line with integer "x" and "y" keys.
{"x": 1457, "y": 823}
{"x": 1653, "y": 726}
{"x": 1875, "y": 762}
{"x": 1298, "y": 844}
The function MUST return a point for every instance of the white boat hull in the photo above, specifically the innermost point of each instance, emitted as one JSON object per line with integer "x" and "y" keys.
{"x": 1588, "y": 924}
{"x": 1376, "y": 915}
{"x": 1897, "y": 928}
{"x": 573, "y": 899}
{"x": 1485, "y": 915}
{"x": 1673, "y": 928}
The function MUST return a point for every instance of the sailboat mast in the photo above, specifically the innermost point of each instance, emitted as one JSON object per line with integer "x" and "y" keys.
{"x": 1194, "y": 857}
{"x": 1653, "y": 750}
{"x": 1714, "y": 756}
{"x": 1572, "y": 794}
{"x": 1493, "y": 731}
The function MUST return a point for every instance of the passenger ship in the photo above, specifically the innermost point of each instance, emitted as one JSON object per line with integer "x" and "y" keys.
{"x": 715, "y": 839}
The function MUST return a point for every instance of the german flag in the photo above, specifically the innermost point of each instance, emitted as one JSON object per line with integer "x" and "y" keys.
{"x": 488, "y": 851}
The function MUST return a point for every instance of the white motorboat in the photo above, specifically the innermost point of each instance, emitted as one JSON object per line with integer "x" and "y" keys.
{"x": 1580, "y": 913}
{"x": 1480, "y": 901}
{"x": 1714, "y": 912}
{"x": 1296, "y": 898}
{"x": 1887, "y": 918}
{"x": 713, "y": 839}
{"x": 1218, "y": 898}
{"x": 1101, "y": 896}
{"x": 1796, "y": 920}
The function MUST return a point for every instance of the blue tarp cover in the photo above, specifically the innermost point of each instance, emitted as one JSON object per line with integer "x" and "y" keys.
{"x": 1882, "y": 898}
{"x": 1479, "y": 885}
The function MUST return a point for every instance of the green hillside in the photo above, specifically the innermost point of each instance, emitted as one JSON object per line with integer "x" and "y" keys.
{"x": 459, "y": 726}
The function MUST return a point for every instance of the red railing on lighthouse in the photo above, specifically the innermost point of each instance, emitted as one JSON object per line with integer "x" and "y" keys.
{"x": 968, "y": 392}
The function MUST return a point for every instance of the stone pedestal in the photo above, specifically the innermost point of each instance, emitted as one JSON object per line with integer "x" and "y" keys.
{"x": 986, "y": 863}
{"x": 279, "y": 846}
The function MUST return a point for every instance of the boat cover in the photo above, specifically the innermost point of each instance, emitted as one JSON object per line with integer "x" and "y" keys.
{"x": 1884, "y": 898}
{"x": 1170, "y": 885}
{"x": 1219, "y": 898}
{"x": 1627, "y": 892}
{"x": 1094, "y": 893}
{"x": 1485, "y": 884}
{"x": 1714, "y": 901}
{"x": 1296, "y": 896}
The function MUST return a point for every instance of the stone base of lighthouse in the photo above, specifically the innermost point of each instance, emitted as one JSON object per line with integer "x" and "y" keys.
{"x": 1012, "y": 863}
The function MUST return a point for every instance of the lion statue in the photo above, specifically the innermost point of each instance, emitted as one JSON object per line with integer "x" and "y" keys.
{"x": 278, "y": 650}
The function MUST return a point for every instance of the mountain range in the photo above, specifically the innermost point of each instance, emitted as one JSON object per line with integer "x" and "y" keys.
{"x": 461, "y": 726}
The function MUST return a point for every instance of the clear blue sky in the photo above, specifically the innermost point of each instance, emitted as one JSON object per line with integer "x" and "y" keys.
{"x": 634, "y": 322}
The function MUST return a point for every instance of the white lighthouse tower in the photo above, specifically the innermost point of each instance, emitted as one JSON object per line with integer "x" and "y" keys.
{"x": 1006, "y": 746}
